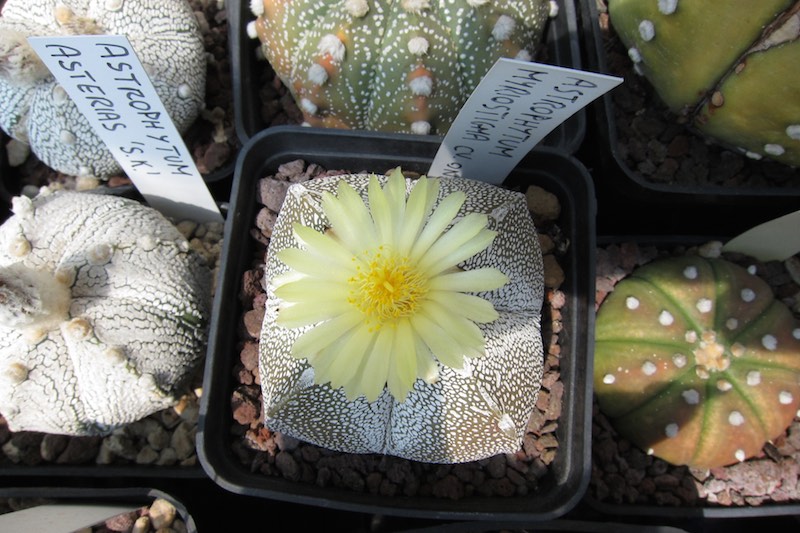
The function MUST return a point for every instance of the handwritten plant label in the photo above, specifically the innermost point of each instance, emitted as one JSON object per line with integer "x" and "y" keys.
{"x": 106, "y": 80}
{"x": 514, "y": 107}
{"x": 775, "y": 240}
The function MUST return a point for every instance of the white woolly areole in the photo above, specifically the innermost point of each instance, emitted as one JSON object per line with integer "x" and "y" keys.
{"x": 632, "y": 302}
{"x": 691, "y": 396}
{"x": 357, "y": 8}
{"x": 609, "y": 379}
{"x": 704, "y": 305}
{"x": 257, "y": 7}
{"x": 503, "y": 28}
{"x": 748, "y": 295}
{"x": 690, "y": 272}
{"x": 477, "y": 3}
{"x": 634, "y": 54}
{"x": 735, "y": 418}
{"x": 774, "y": 149}
{"x": 785, "y": 397}
{"x": 418, "y": 46}
{"x": 647, "y": 30}
{"x": 421, "y": 127}
{"x": 317, "y": 74}
{"x": 251, "y": 30}
{"x": 671, "y": 430}
{"x": 415, "y": 6}
{"x": 308, "y": 106}
{"x": 667, "y": 7}
{"x": 421, "y": 86}
{"x": 553, "y": 9}
{"x": 770, "y": 342}
{"x": 793, "y": 131}
{"x": 753, "y": 378}
{"x": 666, "y": 318}
{"x": 333, "y": 46}
{"x": 523, "y": 55}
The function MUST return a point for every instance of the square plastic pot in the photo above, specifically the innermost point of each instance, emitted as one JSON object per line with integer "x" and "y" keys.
{"x": 562, "y": 48}
{"x": 702, "y": 512}
{"x": 553, "y": 170}
{"x": 620, "y": 173}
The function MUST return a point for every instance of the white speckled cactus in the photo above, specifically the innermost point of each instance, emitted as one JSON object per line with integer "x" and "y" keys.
{"x": 417, "y": 332}
{"x": 403, "y": 65}
{"x": 103, "y": 313}
{"x": 35, "y": 109}
{"x": 728, "y": 66}
{"x": 696, "y": 361}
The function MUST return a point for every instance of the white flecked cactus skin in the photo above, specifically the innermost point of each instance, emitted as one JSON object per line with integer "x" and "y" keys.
{"x": 478, "y": 411}
{"x": 103, "y": 313}
{"x": 34, "y": 109}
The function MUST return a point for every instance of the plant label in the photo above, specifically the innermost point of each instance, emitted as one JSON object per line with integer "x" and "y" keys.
{"x": 106, "y": 80}
{"x": 514, "y": 107}
{"x": 776, "y": 240}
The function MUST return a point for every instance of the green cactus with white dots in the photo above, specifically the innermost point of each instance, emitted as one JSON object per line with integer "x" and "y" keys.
{"x": 696, "y": 362}
{"x": 392, "y": 65}
{"x": 729, "y": 67}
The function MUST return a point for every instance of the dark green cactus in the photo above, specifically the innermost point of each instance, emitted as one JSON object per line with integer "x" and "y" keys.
{"x": 696, "y": 362}
{"x": 729, "y": 67}
{"x": 403, "y": 65}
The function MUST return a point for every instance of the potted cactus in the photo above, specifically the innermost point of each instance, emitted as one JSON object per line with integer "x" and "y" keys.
{"x": 696, "y": 378}
{"x": 691, "y": 123}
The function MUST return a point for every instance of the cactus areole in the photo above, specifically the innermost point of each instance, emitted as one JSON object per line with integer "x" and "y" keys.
{"x": 696, "y": 362}
{"x": 103, "y": 311}
{"x": 403, "y": 319}
{"x": 392, "y": 65}
{"x": 729, "y": 67}
{"x": 36, "y": 110}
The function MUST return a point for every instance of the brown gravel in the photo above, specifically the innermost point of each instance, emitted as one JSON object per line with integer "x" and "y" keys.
{"x": 655, "y": 144}
{"x": 624, "y": 474}
{"x": 274, "y": 454}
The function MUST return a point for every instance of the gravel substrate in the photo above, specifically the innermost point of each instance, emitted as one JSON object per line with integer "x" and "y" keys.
{"x": 274, "y": 454}
{"x": 624, "y": 474}
{"x": 655, "y": 143}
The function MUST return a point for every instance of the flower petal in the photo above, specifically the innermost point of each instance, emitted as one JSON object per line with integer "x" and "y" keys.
{"x": 453, "y": 239}
{"x": 403, "y": 363}
{"x": 351, "y": 355}
{"x": 376, "y": 367}
{"x": 474, "y": 280}
{"x": 380, "y": 210}
{"x": 469, "y": 306}
{"x": 309, "y": 289}
{"x": 420, "y": 203}
{"x": 477, "y": 244}
{"x": 349, "y": 218}
{"x": 441, "y": 344}
{"x": 316, "y": 265}
{"x": 307, "y": 313}
{"x": 427, "y": 369}
{"x": 441, "y": 217}
{"x": 317, "y": 338}
{"x": 322, "y": 245}
{"x": 468, "y": 336}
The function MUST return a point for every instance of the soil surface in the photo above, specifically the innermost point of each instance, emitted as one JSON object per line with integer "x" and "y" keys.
{"x": 624, "y": 474}
{"x": 274, "y": 454}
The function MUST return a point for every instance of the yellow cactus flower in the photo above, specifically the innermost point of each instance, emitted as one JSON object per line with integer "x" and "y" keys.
{"x": 383, "y": 289}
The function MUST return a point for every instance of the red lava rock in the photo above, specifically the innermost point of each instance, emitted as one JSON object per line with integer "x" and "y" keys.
{"x": 252, "y": 322}
{"x": 249, "y": 355}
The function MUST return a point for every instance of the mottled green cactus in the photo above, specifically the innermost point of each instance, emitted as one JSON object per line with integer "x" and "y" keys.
{"x": 730, "y": 67}
{"x": 402, "y": 65}
{"x": 696, "y": 362}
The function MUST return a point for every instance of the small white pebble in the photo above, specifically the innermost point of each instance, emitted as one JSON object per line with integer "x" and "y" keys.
{"x": 785, "y": 397}
{"x": 553, "y": 9}
{"x": 632, "y": 302}
{"x": 671, "y": 430}
{"x": 609, "y": 379}
{"x": 666, "y": 318}
{"x": 753, "y": 378}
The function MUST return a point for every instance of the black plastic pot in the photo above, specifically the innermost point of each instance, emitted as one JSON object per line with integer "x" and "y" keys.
{"x": 702, "y": 513}
{"x": 558, "y": 491}
{"x": 626, "y": 179}
{"x": 563, "y": 49}
{"x": 135, "y": 497}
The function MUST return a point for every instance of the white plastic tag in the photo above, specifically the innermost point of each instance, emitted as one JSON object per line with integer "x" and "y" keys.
{"x": 514, "y": 107}
{"x": 776, "y": 240}
{"x": 59, "y": 518}
{"x": 133, "y": 123}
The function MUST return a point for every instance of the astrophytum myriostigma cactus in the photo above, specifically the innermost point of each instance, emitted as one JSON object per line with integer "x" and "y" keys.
{"x": 403, "y": 319}
{"x": 35, "y": 109}
{"x": 696, "y": 362}
{"x": 103, "y": 311}
{"x": 402, "y": 65}
{"x": 730, "y": 67}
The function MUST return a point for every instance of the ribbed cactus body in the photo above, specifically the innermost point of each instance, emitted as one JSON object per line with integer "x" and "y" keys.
{"x": 402, "y": 65}
{"x": 728, "y": 66}
{"x": 696, "y": 362}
